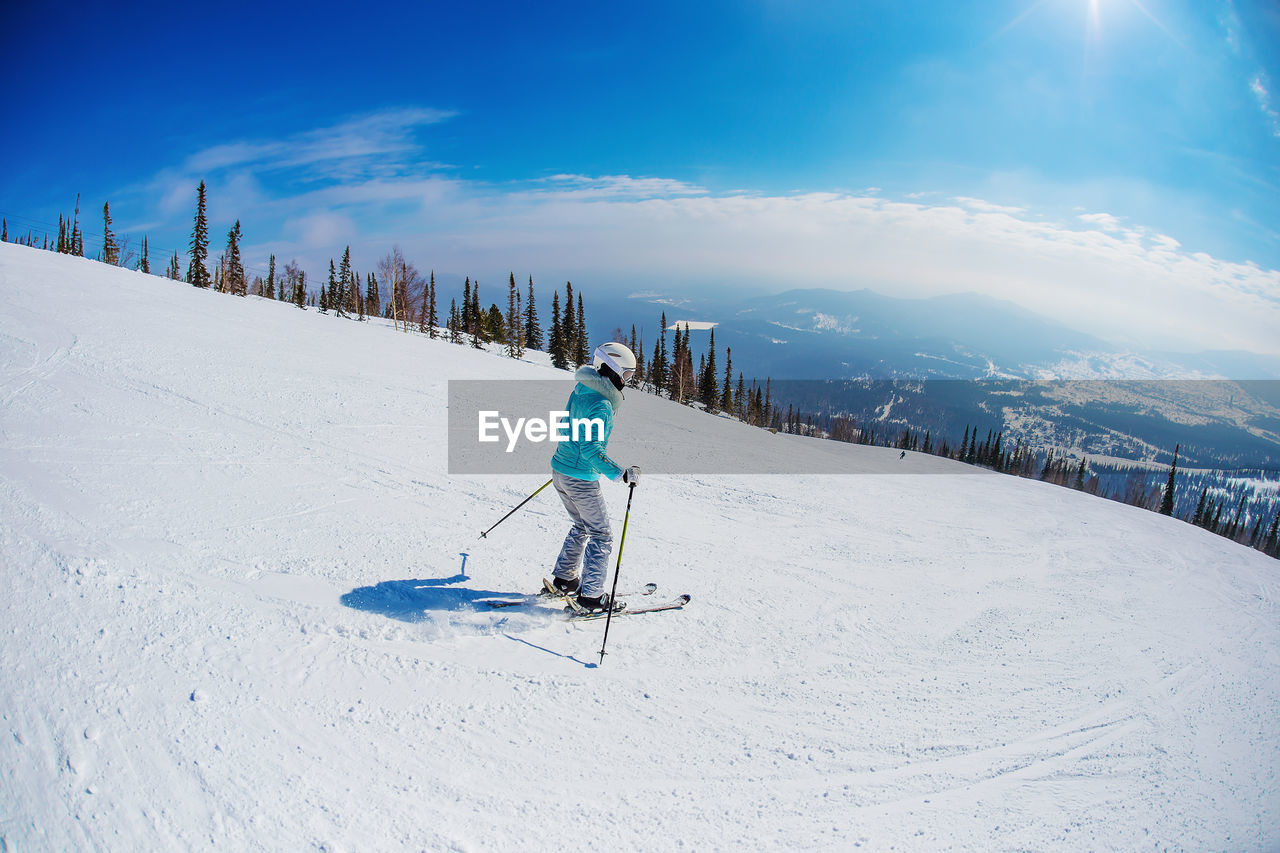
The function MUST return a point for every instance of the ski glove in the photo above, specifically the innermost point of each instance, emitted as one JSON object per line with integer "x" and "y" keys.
{"x": 631, "y": 476}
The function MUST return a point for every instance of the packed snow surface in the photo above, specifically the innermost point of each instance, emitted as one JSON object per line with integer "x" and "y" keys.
{"x": 235, "y": 616}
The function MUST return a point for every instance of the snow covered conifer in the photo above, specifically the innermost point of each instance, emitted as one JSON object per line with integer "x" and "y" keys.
{"x": 110, "y": 248}
{"x": 555, "y": 340}
{"x": 568, "y": 329}
{"x": 269, "y": 290}
{"x": 582, "y": 354}
{"x": 433, "y": 316}
{"x": 455, "y": 323}
{"x": 1166, "y": 504}
{"x": 233, "y": 277}
{"x": 346, "y": 298}
{"x": 77, "y": 238}
{"x": 512, "y": 322}
{"x": 726, "y": 390}
{"x": 373, "y": 300}
{"x": 197, "y": 273}
{"x": 532, "y": 330}
{"x": 710, "y": 395}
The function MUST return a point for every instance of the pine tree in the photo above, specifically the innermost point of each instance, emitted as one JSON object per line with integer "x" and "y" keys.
{"x": 1198, "y": 518}
{"x": 110, "y": 249}
{"x": 583, "y": 352}
{"x": 656, "y": 381}
{"x": 1234, "y": 524}
{"x": 4, "y": 231}
{"x": 300, "y": 290}
{"x": 357, "y": 294}
{"x": 681, "y": 383}
{"x": 270, "y": 290}
{"x": 519, "y": 326}
{"x": 726, "y": 390}
{"x": 468, "y": 325}
{"x": 144, "y": 265}
{"x": 175, "y": 269}
{"x": 673, "y": 373}
{"x": 433, "y": 318}
{"x": 1166, "y": 505}
{"x": 513, "y": 322}
{"x": 532, "y": 331}
{"x": 555, "y": 340}
{"x": 77, "y": 239}
{"x": 662, "y": 361}
{"x": 455, "y": 323}
{"x": 1272, "y": 541}
{"x": 233, "y": 278}
{"x": 372, "y": 298}
{"x": 495, "y": 323}
{"x": 642, "y": 367}
{"x": 637, "y": 349}
{"x": 568, "y": 329}
{"x": 197, "y": 274}
{"x": 710, "y": 380}
{"x": 479, "y": 319}
{"x": 329, "y": 293}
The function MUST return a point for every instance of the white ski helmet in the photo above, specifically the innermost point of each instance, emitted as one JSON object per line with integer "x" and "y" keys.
{"x": 620, "y": 360}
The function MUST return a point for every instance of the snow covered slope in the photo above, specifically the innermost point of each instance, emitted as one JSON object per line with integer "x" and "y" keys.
{"x": 234, "y": 617}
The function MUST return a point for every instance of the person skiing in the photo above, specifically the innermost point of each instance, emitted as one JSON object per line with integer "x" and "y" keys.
{"x": 576, "y": 468}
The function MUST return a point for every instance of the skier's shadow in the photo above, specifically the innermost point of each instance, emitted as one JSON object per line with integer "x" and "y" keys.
{"x": 410, "y": 600}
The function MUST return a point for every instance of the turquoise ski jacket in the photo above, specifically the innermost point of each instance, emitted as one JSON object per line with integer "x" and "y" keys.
{"x": 586, "y": 458}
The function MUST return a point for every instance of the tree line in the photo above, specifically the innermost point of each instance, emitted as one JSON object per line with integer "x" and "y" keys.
{"x": 398, "y": 291}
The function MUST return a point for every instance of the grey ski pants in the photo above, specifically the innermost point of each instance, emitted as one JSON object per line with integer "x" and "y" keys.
{"x": 590, "y": 540}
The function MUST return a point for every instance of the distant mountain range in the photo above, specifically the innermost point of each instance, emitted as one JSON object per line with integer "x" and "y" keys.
{"x": 822, "y": 334}
{"x": 864, "y": 354}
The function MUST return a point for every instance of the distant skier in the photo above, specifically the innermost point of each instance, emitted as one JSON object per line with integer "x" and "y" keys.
{"x": 904, "y": 455}
{"x": 576, "y": 468}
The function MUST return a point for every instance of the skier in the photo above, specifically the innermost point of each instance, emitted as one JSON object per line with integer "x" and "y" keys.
{"x": 576, "y": 468}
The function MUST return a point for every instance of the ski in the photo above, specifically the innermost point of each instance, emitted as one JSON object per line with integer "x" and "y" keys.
{"x": 544, "y": 595}
{"x": 673, "y": 604}
{"x": 549, "y": 591}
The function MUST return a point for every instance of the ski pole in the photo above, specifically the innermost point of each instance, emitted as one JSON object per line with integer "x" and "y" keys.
{"x": 522, "y": 503}
{"x": 616, "y": 571}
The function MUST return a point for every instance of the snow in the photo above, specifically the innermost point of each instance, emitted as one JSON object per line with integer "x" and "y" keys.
{"x": 234, "y": 616}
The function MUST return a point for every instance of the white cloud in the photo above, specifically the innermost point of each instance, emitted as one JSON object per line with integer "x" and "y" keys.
{"x": 1105, "y": 221}
{"x": 362, "y": 138}
{"x": 981, "y": 206}
{"x": 1120, "y": 282}
{"x": 1260, "y": 87}
{"x": 618, "y": 187}
{"x": 365, "y": 187}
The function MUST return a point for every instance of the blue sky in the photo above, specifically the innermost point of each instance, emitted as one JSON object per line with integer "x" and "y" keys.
{"x": 1089, "y": 159}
